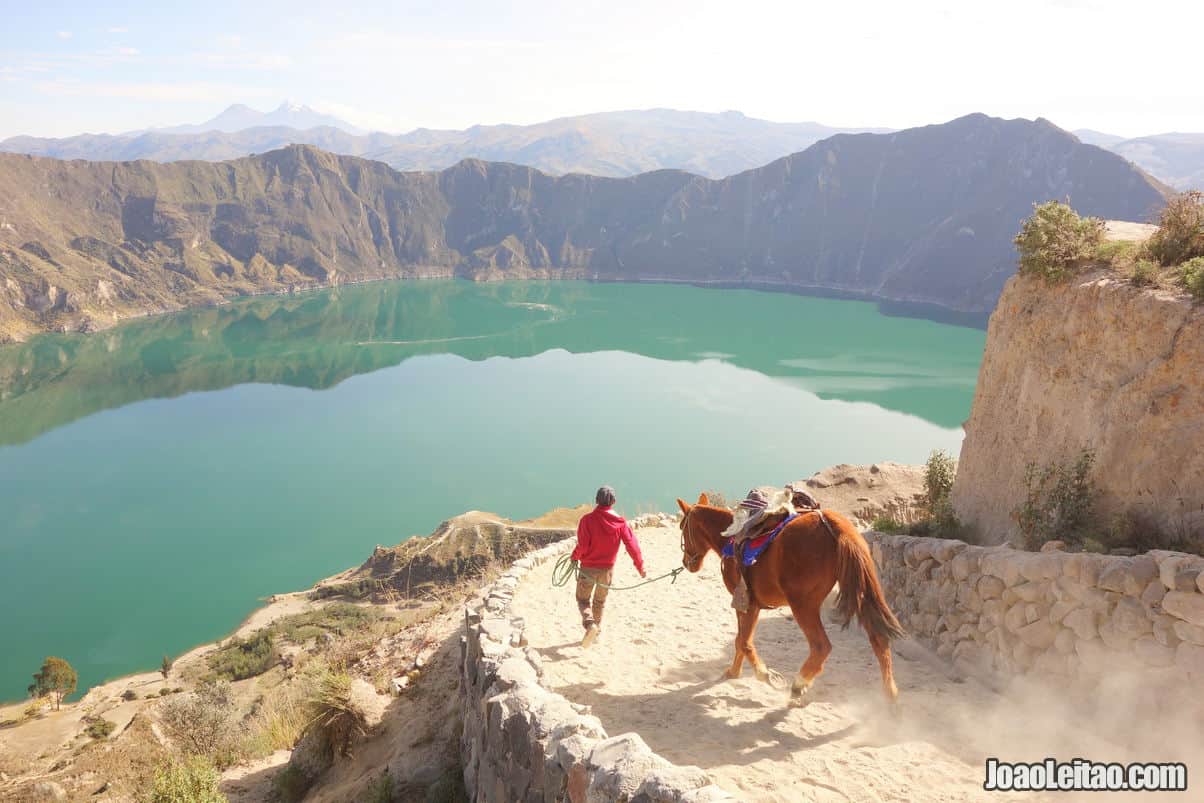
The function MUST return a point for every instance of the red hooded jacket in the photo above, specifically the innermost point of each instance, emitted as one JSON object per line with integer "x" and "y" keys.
{"x": 598, "y": 535}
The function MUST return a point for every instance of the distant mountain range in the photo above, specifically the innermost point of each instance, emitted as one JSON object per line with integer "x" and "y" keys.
{"x": 1177, "y": 159}
{"x": 605, "y": 144}
{"x": 615, "y": 144}
{"x": 922, "y": 216}
{"x": 239, "y": 118}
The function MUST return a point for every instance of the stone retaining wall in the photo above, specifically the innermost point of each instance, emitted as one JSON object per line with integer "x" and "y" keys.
{"x": 521, "y": 742}
{"x": 1081, "y": 616}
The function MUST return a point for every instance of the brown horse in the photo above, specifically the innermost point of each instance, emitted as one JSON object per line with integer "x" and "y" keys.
{"x": 798, "y": 569}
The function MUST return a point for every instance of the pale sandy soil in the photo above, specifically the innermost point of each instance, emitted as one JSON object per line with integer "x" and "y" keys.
{"x": 654, "y": 670}
{"x": 1126, "y": 230}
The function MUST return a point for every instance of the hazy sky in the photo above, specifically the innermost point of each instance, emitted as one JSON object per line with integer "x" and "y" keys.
{"x": 1124, "y": 67}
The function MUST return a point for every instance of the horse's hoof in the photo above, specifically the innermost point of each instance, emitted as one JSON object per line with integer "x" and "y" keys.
{"x": 774, "y": 678}
{"x": 799, "y": 697}
{"x": 727, "y": 674}
{"x": 896, "y": 711}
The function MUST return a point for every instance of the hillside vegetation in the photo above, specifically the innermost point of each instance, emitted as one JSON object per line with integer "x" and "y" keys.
{"x": 1056, "y": 243}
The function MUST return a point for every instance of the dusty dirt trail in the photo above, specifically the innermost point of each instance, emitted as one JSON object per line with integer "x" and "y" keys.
{"x": 655, "y": 667}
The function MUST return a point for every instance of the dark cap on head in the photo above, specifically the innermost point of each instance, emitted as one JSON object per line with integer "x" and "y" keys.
{"x": 605, "y": 496}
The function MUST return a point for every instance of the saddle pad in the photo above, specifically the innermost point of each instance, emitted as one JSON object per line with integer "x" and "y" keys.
{"x": 755, "y": 546}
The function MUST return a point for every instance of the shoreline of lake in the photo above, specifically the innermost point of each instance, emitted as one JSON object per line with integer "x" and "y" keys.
{"x": 902, "y": 307}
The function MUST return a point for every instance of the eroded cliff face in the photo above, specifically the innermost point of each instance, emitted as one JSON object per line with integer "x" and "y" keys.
{"x": 1092, "y": 364}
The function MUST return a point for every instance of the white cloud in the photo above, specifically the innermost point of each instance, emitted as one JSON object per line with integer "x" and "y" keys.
{"x": 245, "y": 61}
{"x": 64, "y": 34}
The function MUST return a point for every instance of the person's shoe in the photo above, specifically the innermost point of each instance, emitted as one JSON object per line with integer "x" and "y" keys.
{"x": 590, "y": 635}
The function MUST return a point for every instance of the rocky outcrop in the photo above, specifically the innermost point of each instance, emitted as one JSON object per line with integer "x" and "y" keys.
{"x": 865, "y": 493}
{"x": 923, "y": 216}
{"x": 996, "y": 612}
{"x": 522, "y": 742}
{"x": 459, "y": 549}
{"x": 1092, "y": 364}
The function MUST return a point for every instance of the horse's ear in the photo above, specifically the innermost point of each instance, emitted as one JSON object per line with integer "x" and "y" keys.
{"x": 703, "y": 499}
{"x": 684, "y": 507}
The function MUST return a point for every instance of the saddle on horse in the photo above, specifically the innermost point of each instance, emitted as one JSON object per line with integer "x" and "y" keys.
{"x": 759, "y": 517}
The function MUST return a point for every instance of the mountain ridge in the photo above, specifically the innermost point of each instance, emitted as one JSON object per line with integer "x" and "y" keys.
{"x": 1175, "y": 157}
{"x": 618, "y": 143}
{"x": 238, "y": 117}
{"x": 924, "y": 215}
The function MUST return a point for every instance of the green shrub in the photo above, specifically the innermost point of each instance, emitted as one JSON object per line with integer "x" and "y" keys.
{"x": 99, "y": 727}
{"x": 1180, "y": 234}
{"x": 939, "y": 471}
{"x": 202, "y": 723}
{"x": 1059, "y": 503}
{"x": 1117, "y": 253}
{"x": 129, "y": 694}
{"x": 1143, "y": 529}
{"x": 1144, "y": 272}
{"x": 240, "y": 659}
{"x": 1055, "y": 241}
{"x": 942, "y": 522}
{"x": 193, "y": 780}
{"x": 888, "y": 524}
{"x": 163, "y": 692}
{"x": 1191, "y": 276}
{"x": 340, "y": 618}
{"x": 934, "y": 517}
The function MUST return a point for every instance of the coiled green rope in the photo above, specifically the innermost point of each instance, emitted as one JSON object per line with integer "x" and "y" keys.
{"x": 567, "y": 569}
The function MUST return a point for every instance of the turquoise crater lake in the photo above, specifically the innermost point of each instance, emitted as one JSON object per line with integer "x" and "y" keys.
{"x": 158, "y": 479}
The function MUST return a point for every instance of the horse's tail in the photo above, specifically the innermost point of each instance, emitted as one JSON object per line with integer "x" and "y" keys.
{"x": 860, "y": 590}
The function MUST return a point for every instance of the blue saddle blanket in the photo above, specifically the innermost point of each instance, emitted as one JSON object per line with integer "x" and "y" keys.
{"x": 755, "y": 546}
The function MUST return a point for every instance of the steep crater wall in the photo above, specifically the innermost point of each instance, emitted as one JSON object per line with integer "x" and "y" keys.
{"x": 1092, "y": 364}
{"x": 918, "y": 217}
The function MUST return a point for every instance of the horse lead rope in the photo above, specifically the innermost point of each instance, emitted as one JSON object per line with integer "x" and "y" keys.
{"x": 566, "y": 568}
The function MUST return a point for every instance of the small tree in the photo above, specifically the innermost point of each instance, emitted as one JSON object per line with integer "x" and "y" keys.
{"x": 1055, "y": 241}
{"x": 939, "y": 472}
{"x": 56, "y": 679}
{"x": 165, "y": 667}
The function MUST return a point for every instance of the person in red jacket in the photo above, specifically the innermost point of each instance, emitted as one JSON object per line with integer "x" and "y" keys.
{"x": 599, "y": 534}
